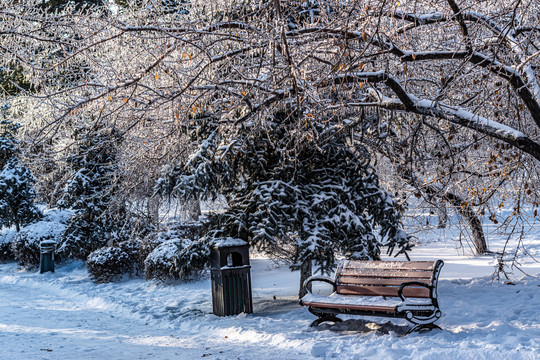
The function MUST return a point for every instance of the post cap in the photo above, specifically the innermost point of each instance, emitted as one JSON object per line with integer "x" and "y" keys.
{"x": 48, "y": 242}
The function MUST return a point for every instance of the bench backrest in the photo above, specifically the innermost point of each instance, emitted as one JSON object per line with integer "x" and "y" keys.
{"x": 383, "y": 278}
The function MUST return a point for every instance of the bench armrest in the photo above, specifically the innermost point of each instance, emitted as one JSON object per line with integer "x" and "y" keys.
{"x": 318, "y": 278}
{"x": 411, "y": 283}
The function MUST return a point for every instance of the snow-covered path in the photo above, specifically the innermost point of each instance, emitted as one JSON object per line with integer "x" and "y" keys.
{"x": 64, "y": 315}
{"x": 40, "y": 323}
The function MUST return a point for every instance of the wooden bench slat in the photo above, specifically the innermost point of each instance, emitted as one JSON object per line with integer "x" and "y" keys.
{"x": 387, "y": 273}
{"x": 415, "y": 265}
{"x": 359, "y": 280}
{"x": 388, "y": 309}
{"x": 418, "y": 292}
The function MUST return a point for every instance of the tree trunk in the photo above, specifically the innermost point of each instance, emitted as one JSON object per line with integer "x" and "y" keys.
{"x": 443, "y": 217}
{"x": 465, "y": 210}
{"x": 479, "y": 241}
{"x": 463, "y": 207}
{"x": 193, "y": 210}
{"x": 152, "y": 207}
{"x": 305, "y": 272}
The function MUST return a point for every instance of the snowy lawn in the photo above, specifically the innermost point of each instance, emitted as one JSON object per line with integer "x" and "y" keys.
{"x": 63, "y": 315}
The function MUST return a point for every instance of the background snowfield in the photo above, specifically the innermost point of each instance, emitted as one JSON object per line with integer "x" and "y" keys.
{"x": 64, "y": 315}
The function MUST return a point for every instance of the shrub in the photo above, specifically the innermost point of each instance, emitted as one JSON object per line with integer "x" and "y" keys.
{"x": 165, "y": 253}
{"x": 25, "y": 244}
{"x": 193, "y": 258}
{"x": 82, "y": 236}
{"x": 146, "y": 246}
{"x": 17, "y": 195}
{"x": 110, "y": 263}
{"x": 6, "y": 240}
{"x": 185, "y": 230}
{"x": 26, "y": 249}
{"x": 177, "y": 259}
{"x": 160, "y": 263}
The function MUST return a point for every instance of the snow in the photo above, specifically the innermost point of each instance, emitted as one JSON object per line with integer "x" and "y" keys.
{"x": 64, "y": 315}
{"x": 52, "y": 225}
{"x": 230, "y": 242}
{"x": 351, "y": 300}
{"x": 7, "y": 235}
{"x": 476, "y": 121}
{"x": 165, "y": 251}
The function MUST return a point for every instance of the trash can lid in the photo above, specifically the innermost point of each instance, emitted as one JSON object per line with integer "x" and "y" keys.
{"x": 48, "y": 242}
{"x": 229, "y": 242}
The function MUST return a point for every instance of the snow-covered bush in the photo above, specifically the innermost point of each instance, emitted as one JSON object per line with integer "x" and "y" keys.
{"x": 110, "y": 263}
{"x": 26, "y": 249}
{"x": 154, "y": 239}
{"x": 177, "y": 259}
{"x": 193, "y": 258}
{"x": 6, "y": 239}
{"x": 159, "y": 264}
{"x": 25, "y": 244}
{"x": 146, "y": 246}
{"x": 168, "y": 252}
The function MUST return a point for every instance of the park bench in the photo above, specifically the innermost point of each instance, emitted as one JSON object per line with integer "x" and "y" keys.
{"x": 398, "y": 289}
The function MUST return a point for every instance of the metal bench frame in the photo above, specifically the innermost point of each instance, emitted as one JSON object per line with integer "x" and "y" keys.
{"x": 422, "y": 315}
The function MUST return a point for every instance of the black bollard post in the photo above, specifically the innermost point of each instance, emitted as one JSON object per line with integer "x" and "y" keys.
{"x": 46, "y": 259}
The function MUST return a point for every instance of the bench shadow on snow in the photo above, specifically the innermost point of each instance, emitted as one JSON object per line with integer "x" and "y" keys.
{"x": 274, "y": 307}
{"x": 364, "y": 327}
{"x": 349, "y": 326}
{"x": 282, "y": 307}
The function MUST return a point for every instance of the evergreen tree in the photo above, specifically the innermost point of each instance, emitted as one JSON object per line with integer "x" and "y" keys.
{"x": 8, "y": 142}
{"x": 13, "y": 81}
{"x": 17, "y": 194}
{"x": 90, "y": 192}
{"x": 164, "y": 6}
{"x": 311, "y": 197}
{"x": 84, "y": 5}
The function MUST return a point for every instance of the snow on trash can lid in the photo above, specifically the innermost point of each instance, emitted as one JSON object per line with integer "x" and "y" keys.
{"x": 47, "y": 245}
{"x": 229, "y": 242}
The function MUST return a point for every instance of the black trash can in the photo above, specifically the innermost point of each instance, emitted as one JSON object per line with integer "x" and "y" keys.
{"x": 46, "y": 258}
{"x": 231, "y": 277}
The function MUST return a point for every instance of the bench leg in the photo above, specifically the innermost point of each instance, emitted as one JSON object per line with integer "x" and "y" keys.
{"x": 421, "y": 327}
{"x": 322, "y": 319}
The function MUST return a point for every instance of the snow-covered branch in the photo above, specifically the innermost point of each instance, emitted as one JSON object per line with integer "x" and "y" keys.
{"x": 467, "y": 119}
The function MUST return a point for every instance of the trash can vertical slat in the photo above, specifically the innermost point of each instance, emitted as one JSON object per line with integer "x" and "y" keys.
{"x": 228, "y": 295}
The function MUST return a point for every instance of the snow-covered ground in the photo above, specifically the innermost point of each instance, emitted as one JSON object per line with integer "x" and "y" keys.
{"x": 63, "y": 315}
